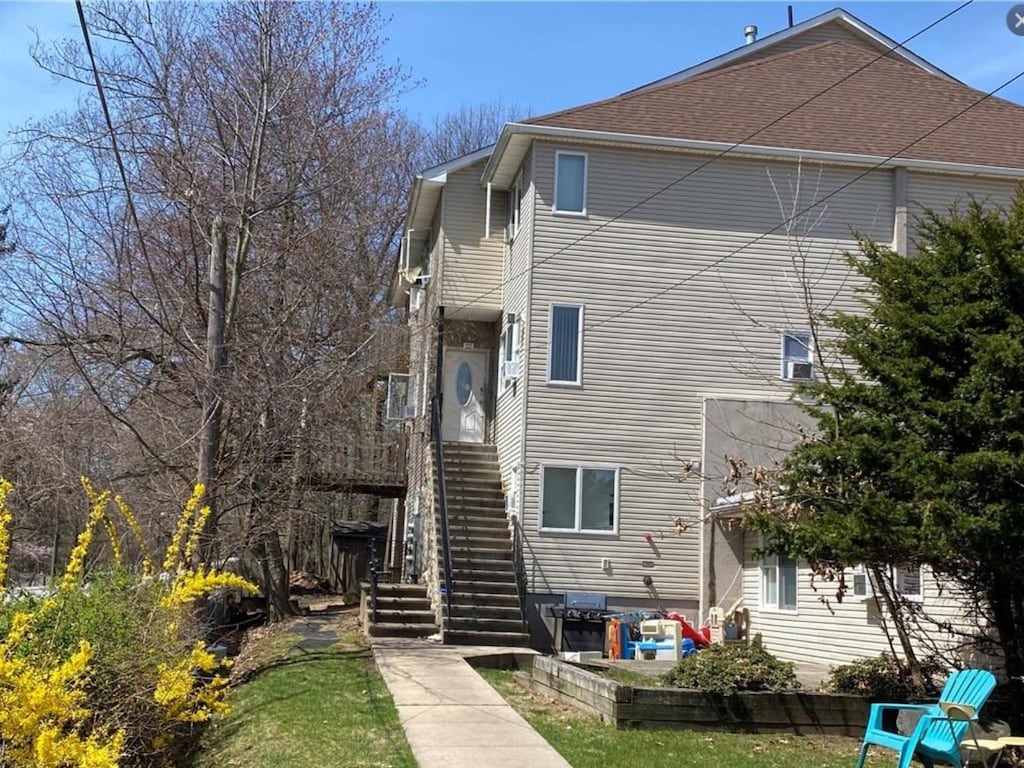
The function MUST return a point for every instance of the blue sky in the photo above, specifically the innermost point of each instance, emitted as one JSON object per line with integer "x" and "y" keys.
{"x": 554, "y": 55}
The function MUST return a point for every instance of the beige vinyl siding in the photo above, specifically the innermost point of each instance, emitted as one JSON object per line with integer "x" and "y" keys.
{"x": 825, "y": 631}
{"x": 941, "y": 192}
{"x": 646, "y": 368}
{"x": 473, "y": 264}
{"x": 825, "y": 33}
{"x": 516, "y": 282}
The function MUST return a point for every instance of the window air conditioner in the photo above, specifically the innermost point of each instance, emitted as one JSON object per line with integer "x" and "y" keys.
{"x": 410, "y": 411}
{"x": 510, "y": 369}
{"x": 799, "y": 370}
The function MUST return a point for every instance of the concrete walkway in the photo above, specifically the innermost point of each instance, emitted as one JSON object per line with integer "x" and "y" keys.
{"x": 452, "y": 717}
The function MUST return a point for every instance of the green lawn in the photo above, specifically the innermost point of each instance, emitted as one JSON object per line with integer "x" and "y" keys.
{"x": 323, "y": 709}
{"x": 586, "y": 742}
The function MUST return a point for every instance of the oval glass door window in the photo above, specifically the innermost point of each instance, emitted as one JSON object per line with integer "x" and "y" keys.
{"x": 464, "y": 382}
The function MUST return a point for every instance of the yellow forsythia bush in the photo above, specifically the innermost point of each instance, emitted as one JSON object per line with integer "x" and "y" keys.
{"x": 115, "y": 672}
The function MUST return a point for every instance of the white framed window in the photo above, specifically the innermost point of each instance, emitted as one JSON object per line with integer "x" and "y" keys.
{"x": 579, "y": 498}
{"x": 862, "y": 583}
{"x": 778, "y": 583}
{"x": 565, "y": 344}
{"x": 398, "y": 395}
{"x": 515, "y": 198}
{"x": 797, "y": 355}
{"x": 906, "y": 580}
{"x": 571, "y": 183}
{"x": 508, "y": 354}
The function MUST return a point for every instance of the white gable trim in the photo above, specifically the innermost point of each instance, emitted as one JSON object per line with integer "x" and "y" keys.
{"x": 439, "y": 173}
{"x": 737, "y": 55}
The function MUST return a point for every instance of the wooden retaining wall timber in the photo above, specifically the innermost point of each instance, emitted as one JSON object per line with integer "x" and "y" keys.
{"x": 627, "y": 707}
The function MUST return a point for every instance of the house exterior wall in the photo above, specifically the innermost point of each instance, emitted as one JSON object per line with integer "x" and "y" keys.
{"x": 824, "y": 630}
{"x": 941, "y": 192}
{"x": 647, "y": 368}
{"x": 511, "y": 409}
{"x": 472, "y": 263}
{"x": 685, "y": 295}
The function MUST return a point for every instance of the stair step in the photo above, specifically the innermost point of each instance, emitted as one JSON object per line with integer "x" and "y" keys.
{"x": 480, "y": 534}
{"x": 458, "y": 488}
{"x": 392, "y": 616}
{"x": 469, "y": 588}
{"x": 483, "y": 470}
{"x": 484, "y": 599}
{"x": 481, "y": 553}
{"x": 462, "y": 609}
{"x": 402, "y": 603}
{"x": 469, "y": 637}
{"x": 468, "y": 581}
{"x": 472, "y": 497}
{"x": 501, "y": 568}
{"x": 454, "y": 447}
{"x": 401, "y": 630}
{"x": 481, "y": 624}
{"x": 482, "y": 517}
{"x": 390, "y": 589}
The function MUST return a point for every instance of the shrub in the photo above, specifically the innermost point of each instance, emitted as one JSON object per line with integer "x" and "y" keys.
{"x": 113, "y": 673}
{"x": 727, "y": 669}
{"x": 882, "y": 678}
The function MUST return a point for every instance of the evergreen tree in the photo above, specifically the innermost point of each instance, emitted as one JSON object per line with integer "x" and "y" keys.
{"x": 919, "y": 454}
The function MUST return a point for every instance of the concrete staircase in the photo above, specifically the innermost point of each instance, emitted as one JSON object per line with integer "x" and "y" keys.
{"x": 485, "y": 599}
{"x": 403, "y": 610}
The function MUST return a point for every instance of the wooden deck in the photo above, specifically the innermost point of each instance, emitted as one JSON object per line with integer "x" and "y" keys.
{"x": 372, "y": 463}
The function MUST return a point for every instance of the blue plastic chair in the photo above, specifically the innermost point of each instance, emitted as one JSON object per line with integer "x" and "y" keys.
{"x": 937, "y": 736}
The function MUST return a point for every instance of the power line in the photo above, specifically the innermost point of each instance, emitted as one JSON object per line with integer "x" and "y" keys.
{"x": 800, "y": 213}
{"x": 109, "y": 121}
{"x": 709, "y": 161}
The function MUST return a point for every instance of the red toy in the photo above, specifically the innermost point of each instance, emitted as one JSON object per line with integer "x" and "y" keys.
{"x": 701, "y": 638}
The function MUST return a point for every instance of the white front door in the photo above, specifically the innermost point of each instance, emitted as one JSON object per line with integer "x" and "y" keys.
{"x": 465, "y": 392}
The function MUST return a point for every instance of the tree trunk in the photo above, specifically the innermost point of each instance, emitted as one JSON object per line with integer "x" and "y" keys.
{"x": 209, "y": 444}
{"x": 913, "y": 666}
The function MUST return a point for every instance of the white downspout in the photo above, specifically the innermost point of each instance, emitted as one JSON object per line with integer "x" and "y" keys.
{"x": 487, "y": 215}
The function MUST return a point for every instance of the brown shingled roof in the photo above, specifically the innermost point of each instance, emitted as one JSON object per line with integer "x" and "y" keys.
{"x": 878, "y": 111}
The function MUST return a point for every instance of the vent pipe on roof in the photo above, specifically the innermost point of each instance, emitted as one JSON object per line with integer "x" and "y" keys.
{"x": 789, "y": 12}
{"x": 750, "y": 32}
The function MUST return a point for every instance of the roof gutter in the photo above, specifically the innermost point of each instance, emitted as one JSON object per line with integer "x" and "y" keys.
{"x": 741, "y": 150}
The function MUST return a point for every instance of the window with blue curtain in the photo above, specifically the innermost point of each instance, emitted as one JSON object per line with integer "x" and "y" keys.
{"x": 564, "y": 361}
{"x": 570, "y": 183}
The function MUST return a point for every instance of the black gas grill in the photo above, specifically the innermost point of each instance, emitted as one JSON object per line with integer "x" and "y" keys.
{"x": 580, "y": 621}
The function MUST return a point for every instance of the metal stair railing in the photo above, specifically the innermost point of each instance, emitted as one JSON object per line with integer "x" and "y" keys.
{"x": 519, "y": 566}
{"x": 442, "y": 502}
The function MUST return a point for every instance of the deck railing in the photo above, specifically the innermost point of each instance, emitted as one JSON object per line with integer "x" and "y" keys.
{"x": 364, "y": 462}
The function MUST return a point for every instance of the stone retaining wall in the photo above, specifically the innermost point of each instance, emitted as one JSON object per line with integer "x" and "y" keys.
{"x": 625, "y": 706}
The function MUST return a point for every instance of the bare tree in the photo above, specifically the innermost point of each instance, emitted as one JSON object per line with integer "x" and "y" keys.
{"x": 276, "y": 120}
{"x": 466, "y": 130}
